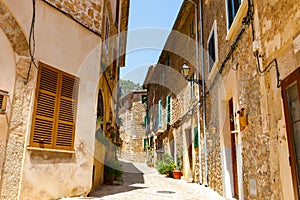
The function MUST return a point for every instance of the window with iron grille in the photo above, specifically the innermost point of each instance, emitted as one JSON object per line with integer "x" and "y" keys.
{"x": 54, "y": 109}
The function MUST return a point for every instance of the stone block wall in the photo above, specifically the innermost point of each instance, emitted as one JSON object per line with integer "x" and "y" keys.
{"x": 133, "y": 130}
{"x": 88, "y": 13}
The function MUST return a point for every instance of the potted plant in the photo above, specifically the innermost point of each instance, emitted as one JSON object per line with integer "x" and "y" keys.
{"x": 166, "y": 165}
{"x": 113, "y": 171}
{"x": 177, "y": 171}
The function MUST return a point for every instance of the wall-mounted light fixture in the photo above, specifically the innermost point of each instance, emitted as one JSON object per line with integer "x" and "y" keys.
{"x": 185, "y": 71}
{"x": 3, "y": 101}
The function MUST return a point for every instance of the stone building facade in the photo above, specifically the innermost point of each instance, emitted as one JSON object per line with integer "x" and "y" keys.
{"x": 170, "y": 94}
{"x": 245, "y": 116}
{"x": 50, "y": 60}
{"x": 132, "y": 126}
{"x": 249, "y": 63}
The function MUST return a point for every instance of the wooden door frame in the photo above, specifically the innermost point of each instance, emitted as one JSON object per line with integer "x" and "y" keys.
{"x": 293, "y": 77}
{"x": 233, "y": 150}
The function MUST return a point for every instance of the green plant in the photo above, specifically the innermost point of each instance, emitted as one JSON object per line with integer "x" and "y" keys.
{"x": 113, "y": 167}
{"x": 166, "y": 165}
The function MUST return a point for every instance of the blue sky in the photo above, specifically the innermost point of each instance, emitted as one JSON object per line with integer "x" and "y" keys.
{"x": 150, "y": 22}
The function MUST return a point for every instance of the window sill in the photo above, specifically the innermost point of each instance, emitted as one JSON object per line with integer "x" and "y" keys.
{"x": 232, "y": 32}
{"x": 213, "y": 71}
{"x": 50, "y": 150}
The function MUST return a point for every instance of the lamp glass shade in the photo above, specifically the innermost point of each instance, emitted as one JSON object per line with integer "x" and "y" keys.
{"x": 185, "y": 70}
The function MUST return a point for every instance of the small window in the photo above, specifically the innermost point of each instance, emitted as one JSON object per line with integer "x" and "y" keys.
{"x": 3, "y": 101}
{"x": 192, "y": 28}
{"x": 55, "y": 107}
{"x": 212, "y": 47}
{"x": 168, "y": 109}
{"x": 232, "y": 9}
{"x": 167, "y": 61}
{"x": 117, "y": 12}
{"x": 107, "y": 29}
{"x": 144, "y": 98}
{"x": 192, "y": 87}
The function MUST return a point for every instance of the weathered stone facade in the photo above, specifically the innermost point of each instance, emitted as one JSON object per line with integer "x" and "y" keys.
{"x": 40, "y": 173}
{"x": 247, "y": 150}
{"x": 132, "y": 128}
{"x": 88, "y": 13}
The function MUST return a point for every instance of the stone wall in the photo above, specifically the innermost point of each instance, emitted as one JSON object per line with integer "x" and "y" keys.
{"x": 132, "y": 129}
{"x": 88, "y": 13}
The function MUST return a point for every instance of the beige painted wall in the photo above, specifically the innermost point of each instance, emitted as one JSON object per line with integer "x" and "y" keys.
{"x": 66, "y": 45}
{"x": 7, "y": 79}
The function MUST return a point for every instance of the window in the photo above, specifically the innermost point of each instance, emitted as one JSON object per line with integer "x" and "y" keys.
{"x": 192, "y": 87}
{"x": 117, "y": 12}
{"x": 106, "y": 43}
{"x": 192, "y": 29}
{"x": 54, "y": 109}
{"x": 159, "y": 113}
{"x": 167, "y": 61}
{"x": 211, "y": 51}
{"x": 236, "y": 10}
{"x": 212, "y": 46}
{"x": 232, "y": 8}
{"x": 144, "y": 98}
{"x": 3, "y": 101}
{"x": 168, "y": 109}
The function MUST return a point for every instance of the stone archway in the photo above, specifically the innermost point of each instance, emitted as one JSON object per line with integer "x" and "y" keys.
{"x": 11, "y": 172}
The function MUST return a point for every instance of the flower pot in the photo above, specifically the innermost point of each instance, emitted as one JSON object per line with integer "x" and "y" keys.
{"x": 177, "y": 174}
{"x": 109, "y": 179}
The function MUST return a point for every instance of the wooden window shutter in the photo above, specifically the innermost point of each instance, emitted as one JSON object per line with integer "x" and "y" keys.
{"x": 66, "y": 113}
{"x": 54, "y": 110}
{"x": 196, "y": 141}
{"x": 159, "y": 113}
{"x": 168, "y": 109}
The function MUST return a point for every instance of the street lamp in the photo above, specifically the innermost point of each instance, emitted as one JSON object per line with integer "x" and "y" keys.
{"x": 185, "y": 70}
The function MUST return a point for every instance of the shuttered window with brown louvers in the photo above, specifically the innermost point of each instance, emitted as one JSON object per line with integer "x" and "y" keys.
{"x": 1, "y": 100}
{"x": 55, "y": 109}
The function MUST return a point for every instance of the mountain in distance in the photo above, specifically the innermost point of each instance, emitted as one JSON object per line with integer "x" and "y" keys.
{"x": 126, "y": 86}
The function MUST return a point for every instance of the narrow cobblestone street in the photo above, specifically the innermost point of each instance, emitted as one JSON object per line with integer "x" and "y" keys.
{"x": 143, "y": 182}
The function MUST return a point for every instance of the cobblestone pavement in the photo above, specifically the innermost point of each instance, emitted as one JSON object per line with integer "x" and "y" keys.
{"x": 141, "y": 182}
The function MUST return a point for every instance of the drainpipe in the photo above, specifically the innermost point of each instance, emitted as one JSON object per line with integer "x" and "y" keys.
{"x": 203, "y": 95}
{"x": 199, "y": 89}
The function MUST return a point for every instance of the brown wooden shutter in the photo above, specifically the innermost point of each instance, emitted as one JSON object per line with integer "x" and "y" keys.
{"x": 1, "y": 100}
{"x": 45, "y": 106}
{"x": 67, "y": 113}
{"x": 55, "y": 109}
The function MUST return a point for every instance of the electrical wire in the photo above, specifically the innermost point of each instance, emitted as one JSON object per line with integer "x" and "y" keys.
{"x": 262, "y": 72}
{"x": 31, "y": 43}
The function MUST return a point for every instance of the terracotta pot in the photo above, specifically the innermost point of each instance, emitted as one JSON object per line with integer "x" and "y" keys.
{"x": 177, "y": 174}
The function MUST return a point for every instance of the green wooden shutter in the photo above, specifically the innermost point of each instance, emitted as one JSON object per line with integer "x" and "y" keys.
{"x": 196, "y": 143}
{"x": 159, "y": 113}
{"x": 168, "y": 109}
{"x": 145, "y": 143}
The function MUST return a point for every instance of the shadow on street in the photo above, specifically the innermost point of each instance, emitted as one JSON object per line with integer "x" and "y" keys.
{"x": 132, "y": 178}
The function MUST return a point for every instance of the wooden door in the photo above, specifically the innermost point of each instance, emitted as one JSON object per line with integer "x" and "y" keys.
{"x": 291, "y": 98}
{"x": 233, "y": 151}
